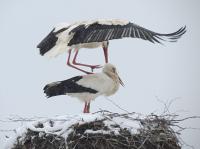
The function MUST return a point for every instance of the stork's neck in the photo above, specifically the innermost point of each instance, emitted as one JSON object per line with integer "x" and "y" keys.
{"x": 113, "y": 76}
{"x": 115, "y": 85}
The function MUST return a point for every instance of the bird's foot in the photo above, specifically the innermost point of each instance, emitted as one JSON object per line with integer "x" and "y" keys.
{"x": 89, "y": 72}
{"x": 95, "y": 67}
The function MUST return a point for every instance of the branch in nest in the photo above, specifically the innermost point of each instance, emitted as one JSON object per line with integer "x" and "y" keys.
{"x": 103, "y": 129}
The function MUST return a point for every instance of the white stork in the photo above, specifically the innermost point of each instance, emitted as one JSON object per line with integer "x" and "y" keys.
{"x": 96, "y": 33}
{"x": 87, "y": 87}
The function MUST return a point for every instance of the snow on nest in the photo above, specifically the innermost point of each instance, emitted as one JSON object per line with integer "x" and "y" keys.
{"x": 61, "y": 125}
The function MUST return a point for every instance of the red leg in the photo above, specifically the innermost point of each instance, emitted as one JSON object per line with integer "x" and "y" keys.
{"x": 69, "y": 64}
{"x": 105, "y": 50}
{"x": 91, "y": 66}
{"x": 88, "y": 107}
{"x": 85, "y": 108}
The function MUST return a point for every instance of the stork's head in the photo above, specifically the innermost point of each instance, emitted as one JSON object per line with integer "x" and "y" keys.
{"x": 111, "y": 71}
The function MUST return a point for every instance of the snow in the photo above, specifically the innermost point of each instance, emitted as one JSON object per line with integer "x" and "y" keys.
{"x": 60, "y": 125}
{"x": 97, "y": 131}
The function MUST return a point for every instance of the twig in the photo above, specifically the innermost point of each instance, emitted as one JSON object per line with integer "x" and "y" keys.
{"x": 116, "y": 105}
{"x": 7, "y": 130}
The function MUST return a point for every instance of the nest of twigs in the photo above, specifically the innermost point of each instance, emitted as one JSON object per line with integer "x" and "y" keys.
{"x": 105, "y": 130}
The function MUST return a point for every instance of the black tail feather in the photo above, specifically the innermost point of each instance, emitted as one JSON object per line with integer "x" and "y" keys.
{"x": 67, "y": 86}
{"x": 54, "y": 89}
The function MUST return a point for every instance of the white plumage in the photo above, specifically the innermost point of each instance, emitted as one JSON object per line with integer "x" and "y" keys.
{"x": 88, "y": 87}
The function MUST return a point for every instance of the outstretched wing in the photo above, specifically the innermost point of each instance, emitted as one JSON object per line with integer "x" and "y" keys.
{"x": 98, "y": 32}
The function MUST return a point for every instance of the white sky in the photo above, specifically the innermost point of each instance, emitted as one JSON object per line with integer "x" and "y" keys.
{"x": 148, "y": 70}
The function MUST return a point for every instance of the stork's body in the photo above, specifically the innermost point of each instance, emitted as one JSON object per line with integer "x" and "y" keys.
{"x": 96, "y": 33}
{"x": 88, "y": 87}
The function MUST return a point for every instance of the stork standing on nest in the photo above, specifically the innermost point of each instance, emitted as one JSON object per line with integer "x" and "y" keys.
{"x": 87, "y": 87}
{"x": 96, "y": 33}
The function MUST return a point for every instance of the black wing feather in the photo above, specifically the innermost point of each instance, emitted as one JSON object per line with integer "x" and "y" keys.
{"x": 66, "y": 86}
{"x": 49, "y": 41}
{"x": 100, "y": 32}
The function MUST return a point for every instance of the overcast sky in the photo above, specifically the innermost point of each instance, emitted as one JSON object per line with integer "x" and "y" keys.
{"x": 149, "y": 71}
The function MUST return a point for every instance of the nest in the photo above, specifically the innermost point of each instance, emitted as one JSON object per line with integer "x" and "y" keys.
{"x": 39, "y": 140}
{"x": 105, "y": 131}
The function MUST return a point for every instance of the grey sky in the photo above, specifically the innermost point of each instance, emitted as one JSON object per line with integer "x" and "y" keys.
{"x": 148, "y": 70}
